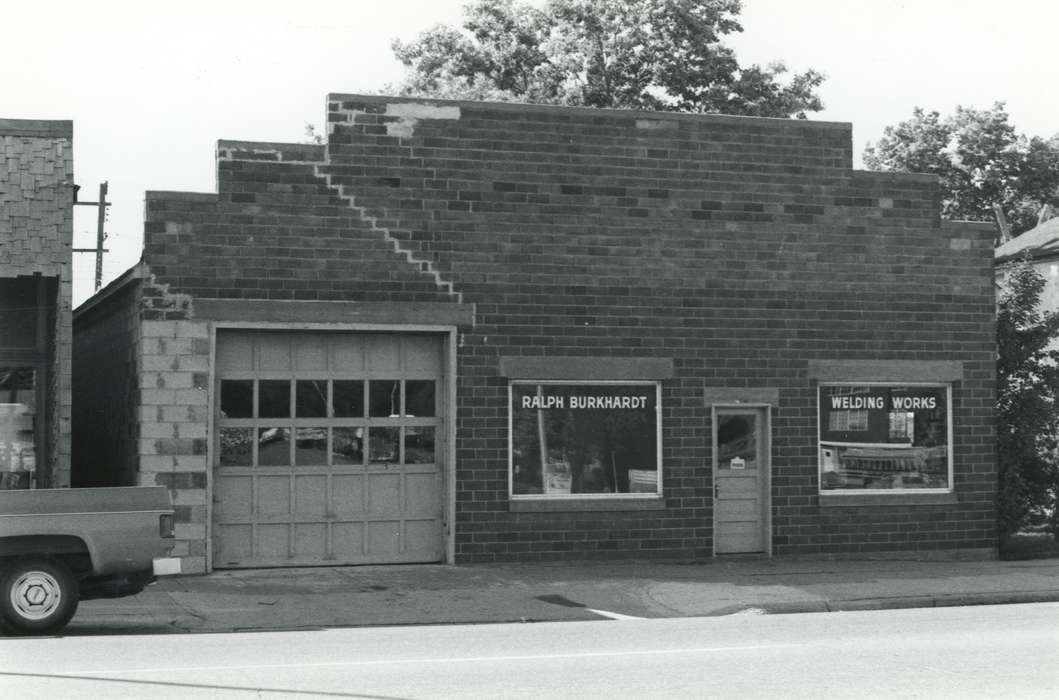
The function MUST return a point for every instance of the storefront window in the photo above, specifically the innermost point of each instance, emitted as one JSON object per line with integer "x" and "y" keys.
{"x": 884, "y": 437}
{"x": 18, "y": 409}
{"x": 584, "y": 439}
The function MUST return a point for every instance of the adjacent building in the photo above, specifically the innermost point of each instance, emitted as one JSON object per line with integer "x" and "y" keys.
{"x": 36, "y": 230}
{"x": 1040, "y": 246}
{"x": 470, "y": 332}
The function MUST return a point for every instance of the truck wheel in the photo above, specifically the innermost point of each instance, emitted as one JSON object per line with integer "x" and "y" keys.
{"x": 37, "y": 596}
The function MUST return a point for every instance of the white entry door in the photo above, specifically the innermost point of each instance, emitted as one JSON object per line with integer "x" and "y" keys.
{"x": 328, "y": 449}
{"x": 741, "y": 477}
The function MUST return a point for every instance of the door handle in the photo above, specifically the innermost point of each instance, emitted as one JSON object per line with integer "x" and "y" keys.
{"x": 716, "y": 491}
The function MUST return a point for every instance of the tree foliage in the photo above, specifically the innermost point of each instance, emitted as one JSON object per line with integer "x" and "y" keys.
{"x": 639, "y": 54}
{"x": 981, "y": 162}
{"x": 1027, "y": 399}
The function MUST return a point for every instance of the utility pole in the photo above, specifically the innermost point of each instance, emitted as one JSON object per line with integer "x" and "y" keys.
{"x": 101, "y": 235}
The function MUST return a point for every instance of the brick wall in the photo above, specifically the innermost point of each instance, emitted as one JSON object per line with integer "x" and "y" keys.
{"x": 36, "y": 233}
{"x": 740, "y": 248}
{"x": 106, "y": 387}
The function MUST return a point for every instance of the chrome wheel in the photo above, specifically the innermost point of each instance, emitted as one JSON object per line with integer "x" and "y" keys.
{"x": 36, "y": 595}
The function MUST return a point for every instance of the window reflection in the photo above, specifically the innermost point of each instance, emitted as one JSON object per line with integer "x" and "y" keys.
{"x": 310, "y": 398}
{"x": 273, "y": 398}
{"x": 310, "y": 446}
{"x": 237, "y": 398}
{"x": 273, "y": 447}
{"x": 348, "y": 398}
{"x": 348, "y": 445}
{"x": 237, "y": 447}
{"x": 419, "y": 445}
{"x": 384, "y": 398}
{"x": 383, "y": 444}
{"x": 419, "y": 398}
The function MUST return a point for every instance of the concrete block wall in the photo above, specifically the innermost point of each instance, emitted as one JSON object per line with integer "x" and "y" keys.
{"x": 173, "y": 413}
{"x": 741, "y": 249}
{"x": 36, "y": 235}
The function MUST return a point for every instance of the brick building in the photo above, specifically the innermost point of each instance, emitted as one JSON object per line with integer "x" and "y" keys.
{"x": 486, "y": 332}
{"x": 36, "y": 231}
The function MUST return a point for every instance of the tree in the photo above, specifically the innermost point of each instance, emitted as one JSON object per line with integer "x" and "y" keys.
{"x": 1027, "y": 399}
{"x": 636, "y": 54}
{"x": 980, "y": 160}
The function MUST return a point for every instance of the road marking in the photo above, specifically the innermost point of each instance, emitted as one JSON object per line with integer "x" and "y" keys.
{"x": 614, "y": 615}
{"x": 445, "y": 660}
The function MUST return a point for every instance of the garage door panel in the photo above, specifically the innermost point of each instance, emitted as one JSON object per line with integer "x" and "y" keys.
{"x": 421, "y": 494}
{"x": 310, "y": 495}
{"x": 422, "y": 354}
{"x": 329, "y": 449}
{"x": 382, "y": 353}
{"x": 233, "y": 496}
{"x": 310, "y": 541}
{"x": 422, "y": 536}
{"x": 348, "y": 541}
{"x": 273, "y": 495}
{"x": 384, "y": 537}
{"x": 310, "y": 353}
{"x": 384, "y": 494}
{"x": 348, "y": 495}
{"x": 272, "y": 352}
{"x": 235, "y": 353}
{"x": 273, "y": 541}
{"x": 346, "y": 358}
{"x": 233, "y": 543}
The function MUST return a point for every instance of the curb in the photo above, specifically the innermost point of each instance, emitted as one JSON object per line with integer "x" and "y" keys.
{"x": 902, "y": 602}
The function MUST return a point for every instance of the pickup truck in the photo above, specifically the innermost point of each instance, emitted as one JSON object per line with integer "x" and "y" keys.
{"x": 59, "y": 546}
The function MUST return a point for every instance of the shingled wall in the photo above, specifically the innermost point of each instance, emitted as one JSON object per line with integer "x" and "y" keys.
{"x": 36, "y": 233}
{"x": 742, "y": 249}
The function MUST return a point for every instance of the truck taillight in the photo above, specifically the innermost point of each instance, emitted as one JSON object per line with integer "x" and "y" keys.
{"x": 165, "y": 525}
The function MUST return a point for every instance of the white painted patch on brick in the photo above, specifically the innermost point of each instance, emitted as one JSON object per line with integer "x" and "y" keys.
{"x": 419, "y": 110}
{"x": 656, "y": 124}
{"x": 410, "y": 113}
{"x": 886, "y": 203}
{"x": 960, "y": 243}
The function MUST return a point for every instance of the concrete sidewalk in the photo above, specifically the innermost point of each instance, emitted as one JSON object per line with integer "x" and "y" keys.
{"x": 306, "y": 598}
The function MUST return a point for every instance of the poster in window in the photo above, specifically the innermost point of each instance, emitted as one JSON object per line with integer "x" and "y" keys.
{"x": 571, "y": 439}
{"x": 876, "y": 437}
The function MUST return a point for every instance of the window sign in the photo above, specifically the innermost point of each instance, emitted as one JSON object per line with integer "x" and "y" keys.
{"x": 584, "y": 439}
{"x": 18, "y": 435}
{"x": 884, "y": 437}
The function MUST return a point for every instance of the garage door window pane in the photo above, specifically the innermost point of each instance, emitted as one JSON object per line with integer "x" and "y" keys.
{"x": 310, "y": 447}
{"x": 419, "y": 398}
{"x": 237, "y": 447}
{"x": 273, "y": 398}
{"x": 237, "y": 398}
{"x": 383, "y": 445}
{"x": 310, "y": 398}
{"x": 349, "y": 399}
{"x": 385, "y": 398}
{"x": 419, "y": 445}
{"x": 348, "y": 446}
{"x": 273, "y": 447}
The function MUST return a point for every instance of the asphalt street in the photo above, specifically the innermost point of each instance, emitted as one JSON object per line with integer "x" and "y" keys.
{"x": 966, "y": 652}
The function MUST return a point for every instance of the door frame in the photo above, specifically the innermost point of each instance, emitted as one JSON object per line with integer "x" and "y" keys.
{"x": 448, "y": 336}
{"x": 764, "y": 411}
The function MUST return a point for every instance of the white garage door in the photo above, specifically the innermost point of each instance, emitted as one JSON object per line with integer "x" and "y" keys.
{"x": 328, "y": 449}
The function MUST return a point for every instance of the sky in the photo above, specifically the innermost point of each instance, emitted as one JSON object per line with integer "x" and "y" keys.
{"x": 150, "y": 91}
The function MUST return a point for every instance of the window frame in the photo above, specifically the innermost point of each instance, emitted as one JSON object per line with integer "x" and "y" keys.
{"x": 543, "y": 497}
{"x": 853, "y": 493}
